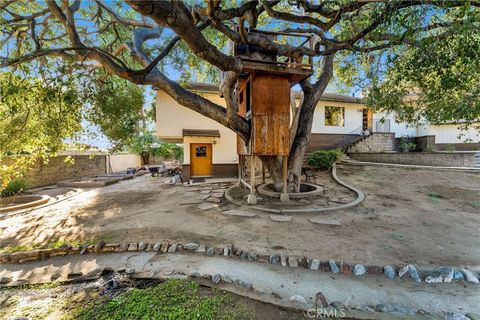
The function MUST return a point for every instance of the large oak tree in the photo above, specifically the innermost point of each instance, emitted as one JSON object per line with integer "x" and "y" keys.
{"x": 139, "y": 40}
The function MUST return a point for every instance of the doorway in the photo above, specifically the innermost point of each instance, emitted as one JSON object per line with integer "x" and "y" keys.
{"x": 200, "y": 159}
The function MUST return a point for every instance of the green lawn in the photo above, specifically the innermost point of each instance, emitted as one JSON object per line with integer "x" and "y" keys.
{"x": 172, "y": 299}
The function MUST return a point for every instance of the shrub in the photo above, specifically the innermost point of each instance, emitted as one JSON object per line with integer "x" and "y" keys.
{"x": 407, "y": 144}
{"x": 13, "y": 188}
{"x": 324, "y": 159}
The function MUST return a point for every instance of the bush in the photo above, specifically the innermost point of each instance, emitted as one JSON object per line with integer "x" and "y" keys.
{"x": 324, "y": 159}
{"x": 407, "y": 144}
{"x": 14, "y": 188}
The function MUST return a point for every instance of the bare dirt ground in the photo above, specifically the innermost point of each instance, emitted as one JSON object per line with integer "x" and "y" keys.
{"x": 428, "y": 217}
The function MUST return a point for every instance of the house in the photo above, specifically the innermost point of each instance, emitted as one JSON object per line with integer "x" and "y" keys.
{"x": 210, "y": 149}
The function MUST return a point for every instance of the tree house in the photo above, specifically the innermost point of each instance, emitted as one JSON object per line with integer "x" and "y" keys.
{"x": 264, "y": 97}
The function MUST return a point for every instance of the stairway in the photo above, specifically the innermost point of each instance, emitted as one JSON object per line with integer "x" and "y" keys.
{"x": 477, "y": 160}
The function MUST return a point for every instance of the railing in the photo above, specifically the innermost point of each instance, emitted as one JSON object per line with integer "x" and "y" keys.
{"x": 247, "y": 52}
{"x": 382, "y": 126}
{"x": 346, "y": 141}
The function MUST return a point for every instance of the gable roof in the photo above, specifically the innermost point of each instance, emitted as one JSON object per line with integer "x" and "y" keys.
{"x": 214, "y": 88}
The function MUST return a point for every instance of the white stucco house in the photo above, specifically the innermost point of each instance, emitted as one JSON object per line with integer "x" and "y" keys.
{"x": 210, "y": 149}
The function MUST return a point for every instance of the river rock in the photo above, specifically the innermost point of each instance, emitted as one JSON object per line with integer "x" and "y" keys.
{"x": 122, "y": 247}
{"x": 293, "y": 262}
{"x": 156, "y": 246}
{"x": 333, "y": 266}
{"x": 252, "y": 256}
{"x": 274, "y": 259}
{"x": 195, "y": 274}
{"x": 439, "y": 275}
{"x": 216, "y": 278}
{"x": 409, "y": 271}
{"x": 315, "y": 264}
{"x": 172, "y": 248}
{"x": 458, "y": 275}
{"x": 374, "y": 270}
{"x": 201, "y": 248}
{"x": 164, "y": 246}
{"x": 298, "y": 300}
{"x": 359, "y": 270}
{"x": 283, "y": 259}
{"x": 133, "y": 247}
{"x": 210, "y": 251}
{"x": 83, "y": 248}
{"x": 190, "y": 246}
{"x": 142, "y": 246}
{"x": 345, "y": 268}
{"x": 414, "y": 273}
{"x": 389, "y": 271}
{"x": 226, "y": 252}
{"x": 469, "y": 276}
{"x": 130, "y": 271}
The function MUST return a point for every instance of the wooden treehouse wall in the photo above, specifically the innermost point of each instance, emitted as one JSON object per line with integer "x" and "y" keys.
{"x": 270, "y": 114}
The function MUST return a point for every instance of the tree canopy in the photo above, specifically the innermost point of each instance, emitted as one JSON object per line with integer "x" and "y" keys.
{"x": 380, "y": 46}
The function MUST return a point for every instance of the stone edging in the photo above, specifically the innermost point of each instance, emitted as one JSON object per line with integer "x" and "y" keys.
{"x": 409, "y": 271}
{"x": 298, "y": 195}
{"x": 408, "y": 166}
{"x": 47, "y": 204}
{"x": 360, "y": 198}
{"x": 27, "y": 205}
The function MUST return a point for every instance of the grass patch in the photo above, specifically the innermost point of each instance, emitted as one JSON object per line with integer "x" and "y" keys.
{"x": 397, "y": 235}
{"x": 434, "y": 196}
{"x": 172, "y": 299}
{"x": 475, "y": 204}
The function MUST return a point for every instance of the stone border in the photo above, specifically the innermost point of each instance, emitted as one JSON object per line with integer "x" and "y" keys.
{"x": 409, "y": 271}
{"x": 266, "y": 192}
{"x": 360, "y": 198}
{"x": 408, "y": 166}
{"x": 39, "y": 201}
{"x": 20, "y": 211}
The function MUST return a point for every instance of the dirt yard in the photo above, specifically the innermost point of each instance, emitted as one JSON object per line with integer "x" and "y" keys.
{"x": 427, "y": 217}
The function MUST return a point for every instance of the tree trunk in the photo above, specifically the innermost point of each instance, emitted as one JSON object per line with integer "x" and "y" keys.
{"x": 145, "y": 157}
{"x": 303, "y": 132}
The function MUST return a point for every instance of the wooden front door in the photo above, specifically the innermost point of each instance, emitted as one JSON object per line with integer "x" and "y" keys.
{"x": 201, "y": 159}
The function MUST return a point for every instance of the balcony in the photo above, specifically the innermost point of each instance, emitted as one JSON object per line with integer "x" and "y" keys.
{"x": 257, "y": 59}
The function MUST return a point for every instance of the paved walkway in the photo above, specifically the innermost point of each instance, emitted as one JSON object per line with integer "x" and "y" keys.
{"x": 274, "y": 284}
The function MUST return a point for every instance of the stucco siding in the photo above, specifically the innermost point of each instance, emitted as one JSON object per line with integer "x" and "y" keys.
{"x": 452, "y": 134}
{"x": 353, "y": 118}
{"x": 172, "y": 118}
{"x": 400, "y": 129}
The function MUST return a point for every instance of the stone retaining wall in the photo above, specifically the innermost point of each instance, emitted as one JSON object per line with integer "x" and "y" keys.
{"x": 443, "y": 159}
{"x": 376, "y": 142}
{"x": 68, "y": 167}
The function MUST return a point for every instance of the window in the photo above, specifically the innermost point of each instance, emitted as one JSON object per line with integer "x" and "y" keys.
{"x": 335, "y": 116}
{"x": 201, "y": 152}
{"x": 248, "y": 97}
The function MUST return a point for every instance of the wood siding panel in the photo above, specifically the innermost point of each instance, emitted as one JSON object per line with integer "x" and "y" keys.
{"x": 270, "y": 115}
{"x": 271, "y": 134}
